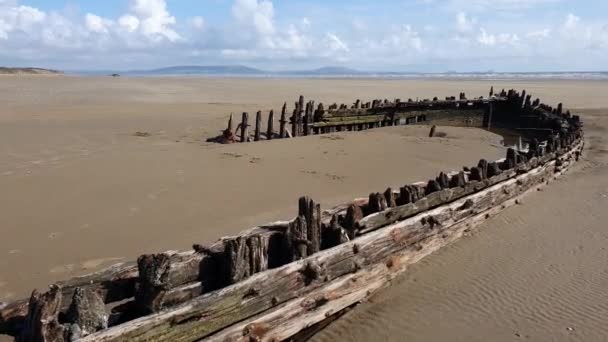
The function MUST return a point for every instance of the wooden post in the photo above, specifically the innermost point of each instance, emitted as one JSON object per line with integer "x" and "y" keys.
{"x": 294, "y": 122}
{"x": 299, "y": 115}
{"x": 258, "y": 125}
{"x": 230, "y": 124}
{"x": 432, "y": 132}
{"x": 270, "y": 130}
{"x": 245, "y": 128}
{"x": 41, "y": 322}
{"x": 306, "y": 118}
{"x": 312, "y": 213}
{"x": 283, "y": 122}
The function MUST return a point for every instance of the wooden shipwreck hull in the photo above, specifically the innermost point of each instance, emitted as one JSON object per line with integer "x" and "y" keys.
{"x": 278, "y": 281}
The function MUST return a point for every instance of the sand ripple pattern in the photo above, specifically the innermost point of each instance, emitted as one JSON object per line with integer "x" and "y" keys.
{"x": 537, "y": 272}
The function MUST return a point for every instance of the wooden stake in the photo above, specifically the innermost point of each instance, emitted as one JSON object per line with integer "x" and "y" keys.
{"x": 283, "y": 122}
{"x": 270, "y": 130}
{"x": 258, "y": 126}
{"x": 245, "y": 128}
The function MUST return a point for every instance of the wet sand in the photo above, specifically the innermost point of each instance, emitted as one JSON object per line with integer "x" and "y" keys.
{"x": 79, "y": 191}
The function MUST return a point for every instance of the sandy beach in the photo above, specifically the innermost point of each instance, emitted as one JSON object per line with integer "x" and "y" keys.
{"x": 80, "y": 191}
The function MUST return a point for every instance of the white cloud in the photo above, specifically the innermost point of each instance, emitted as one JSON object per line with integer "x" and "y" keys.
{"x": 155, "y": 21}
{"x": 403, "y": 37}
{"x": 335, "y": 44}
{"x": 305, "y": 23}
{"x": 97, "y": 24}
{"x": 15, "y": 18}
{"x": 254, "y": 13}
{"x": 129, "y": 23}
{"x": 539, "y": 34}
{"x": 571, "y": 22}
{"x": 464, "y": 23}
{"x": 148, "y": 30}
{"x": 485, "y": 38}
{"x": 197, "y": 22}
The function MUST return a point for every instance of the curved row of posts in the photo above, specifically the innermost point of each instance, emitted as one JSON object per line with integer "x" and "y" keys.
{"x": 302, "y": 270}
{"x": 307, "y": 120}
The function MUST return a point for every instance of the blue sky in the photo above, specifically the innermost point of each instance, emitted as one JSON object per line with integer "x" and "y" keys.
{"x": 414, "y": 35}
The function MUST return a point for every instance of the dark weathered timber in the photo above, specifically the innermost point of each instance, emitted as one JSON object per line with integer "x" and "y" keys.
{"x": 376, "y": 203}
{"x": 294, "y": 122}
{"x": 113, "y": 284}
{"x": 87, "y": 313}
{"x": 483, "y": 165}
{"x": 258, "y": 126}
{"x": 432, "y": 132}
{"x": 391, "y": 198}
{"x": 283, "y": 122}
{"x": 236, "y": 259}
{"x": 432, "y": 186}
{"x": 298, "y": 238}
{"x": 493, "y": 169}
{"x": 476, "y": 174}
{"x": 42, "y": 320}
{"x": 230, "y": 123}
{"x": 270, "y": 127}
{"x": 354, "y": 213}
{"x": 443, "y": 180}
{"x": 458, "y": 180}
{"x": 245, "y": 128}
{"x": 312, "y": 214}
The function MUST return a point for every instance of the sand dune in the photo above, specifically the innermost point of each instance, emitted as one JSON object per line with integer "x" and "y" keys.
{"x": 80, "y": 191}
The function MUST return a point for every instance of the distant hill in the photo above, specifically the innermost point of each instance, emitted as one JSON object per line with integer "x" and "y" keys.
{"x": 243, "y": 70}
{"x": 326, "y": 71}
{"x": 202, "y": 70}
{"x": 28, "y": 71}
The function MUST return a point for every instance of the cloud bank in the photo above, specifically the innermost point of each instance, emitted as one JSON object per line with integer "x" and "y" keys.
{"x": 256, "y": 33}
